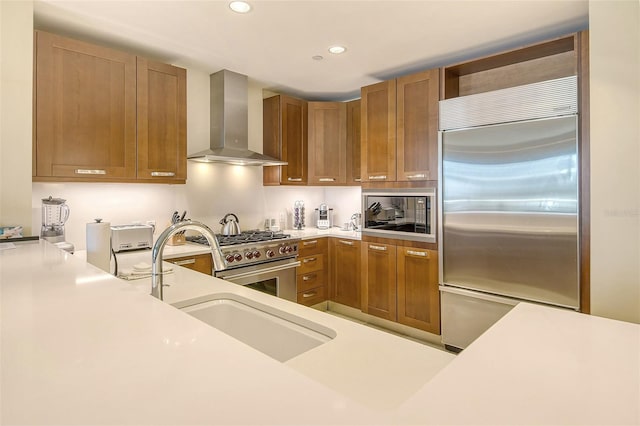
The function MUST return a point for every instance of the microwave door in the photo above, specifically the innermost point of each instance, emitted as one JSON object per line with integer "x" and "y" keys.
{"x": 510, "y": 210}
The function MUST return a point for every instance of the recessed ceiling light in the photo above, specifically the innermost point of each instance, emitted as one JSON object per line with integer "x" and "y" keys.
{"x": 337, "y": 49}
{"x": 240, "y": 6}
{"x": 317, "y": 57}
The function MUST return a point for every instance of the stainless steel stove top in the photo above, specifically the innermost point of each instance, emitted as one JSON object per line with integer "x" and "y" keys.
{"x": 252, "y": 247}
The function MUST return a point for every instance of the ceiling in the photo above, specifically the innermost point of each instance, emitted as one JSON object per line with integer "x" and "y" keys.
{"x": 275, "y": 42}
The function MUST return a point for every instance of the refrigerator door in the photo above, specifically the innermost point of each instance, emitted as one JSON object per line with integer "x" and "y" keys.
{"x": 510, "y": 210}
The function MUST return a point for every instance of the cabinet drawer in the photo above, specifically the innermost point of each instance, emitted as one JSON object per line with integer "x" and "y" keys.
{"x": 311, "y": 280}
{"x": 200, "y": 263}
{"x": 312, "y": 296}
{"x": 315, "y": 262}
{"x": 314, "y": 246}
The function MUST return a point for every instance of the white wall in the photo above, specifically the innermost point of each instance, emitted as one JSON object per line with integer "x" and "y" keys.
{"x": 16, "y": 50}
{"x": 615, "y": 158}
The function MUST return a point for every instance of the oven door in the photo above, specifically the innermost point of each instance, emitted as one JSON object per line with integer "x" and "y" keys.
{"x": 277, "y": 278}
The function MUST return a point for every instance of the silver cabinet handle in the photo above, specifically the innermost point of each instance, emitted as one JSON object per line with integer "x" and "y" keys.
{"x": 379, "y": 248}
{"x": 417, "y": 176}
{"x": 327, "y": 179}
{"x": 308, "y": 277}
{"x": 185, "y": 262}
{"x": 349, "y": 243}
{"x": 163, "y": 174}
{"x": 310, "y": 294}
{"x": 311, "y": 259}
{"x": 91, "y": 172}
{"x": 417, "y": 253}
{"x": 378, "y": 177}
{"x": 308, "y": 243}
{"x": 294, "y": 179}
{"x": 357, "y": 179}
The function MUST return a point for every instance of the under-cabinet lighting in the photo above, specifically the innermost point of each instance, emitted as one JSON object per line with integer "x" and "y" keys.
{"x": 240, "y": 6}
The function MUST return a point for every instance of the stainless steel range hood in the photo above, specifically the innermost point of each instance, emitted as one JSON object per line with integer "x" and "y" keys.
{"x": 229, "y": 124}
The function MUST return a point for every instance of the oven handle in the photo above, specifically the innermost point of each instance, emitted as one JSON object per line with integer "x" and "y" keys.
{"x": 263, "y": 271}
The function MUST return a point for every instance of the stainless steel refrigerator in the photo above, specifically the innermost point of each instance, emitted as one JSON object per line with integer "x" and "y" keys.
{"x": 508, "y": 209}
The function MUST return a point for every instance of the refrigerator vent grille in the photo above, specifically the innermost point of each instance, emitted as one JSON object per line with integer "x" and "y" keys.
{"x": 550, "y": 98}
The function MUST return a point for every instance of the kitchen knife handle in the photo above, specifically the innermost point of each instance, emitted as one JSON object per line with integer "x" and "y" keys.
{"x": 91, "y": 172}
{"x": 162, "y": 174}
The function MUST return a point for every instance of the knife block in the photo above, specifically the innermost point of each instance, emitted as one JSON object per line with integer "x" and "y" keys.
{"x": 177, "y": 240}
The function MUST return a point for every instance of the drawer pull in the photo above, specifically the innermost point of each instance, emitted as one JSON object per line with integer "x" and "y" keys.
{"x": 185, "y": 262}
{"x": 348, "y": 243}
{"x": 310, "y": 259}
{"x": 327, "y": 179}
{"x": 309, "y": 277}
{"x": 308, "y": 243}
{"x": 309, "y": 294}
{"x": 91, "y": 172}
{"x": 417, "y": 253}
{"x": 379, "y": 248}
{"x": 294, "y": 179}
{"x": 162, "y": 174}
{"x": 417, "y": 176}
{"x": 378, "y": 177}
{"x": 358, "y": 180}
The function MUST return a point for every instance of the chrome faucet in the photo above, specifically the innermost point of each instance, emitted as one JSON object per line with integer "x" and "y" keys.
{"x": 158, "y": 248}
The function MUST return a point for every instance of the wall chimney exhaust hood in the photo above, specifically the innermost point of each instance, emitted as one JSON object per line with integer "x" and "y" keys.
{"x": 229, "y": 124}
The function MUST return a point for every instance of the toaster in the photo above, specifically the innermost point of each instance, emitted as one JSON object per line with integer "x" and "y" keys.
{"x": 131, "y": 237}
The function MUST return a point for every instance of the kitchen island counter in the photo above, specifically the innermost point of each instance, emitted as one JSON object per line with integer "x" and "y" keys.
{"x": 82, "y": 347}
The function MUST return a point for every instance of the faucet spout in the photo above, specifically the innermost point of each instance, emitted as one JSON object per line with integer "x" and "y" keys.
{"x": 161, "y": 242}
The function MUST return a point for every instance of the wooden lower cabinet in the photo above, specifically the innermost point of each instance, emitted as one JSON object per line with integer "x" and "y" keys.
{"x": 311, "y": 279}
{"x": 418, "y": 296}
{"x": 344, "y": 272}
{"x": 200, "y": 263}
{"x": 379, "y": 280}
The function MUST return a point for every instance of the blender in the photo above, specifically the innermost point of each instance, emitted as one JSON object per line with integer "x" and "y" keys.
{"x": 54, "y": 215}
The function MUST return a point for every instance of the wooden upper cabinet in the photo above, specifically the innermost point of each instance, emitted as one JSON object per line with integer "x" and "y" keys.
{"x": 85, "y": 111}
{"x": 418, "y": 295}
{"x": 353, "y": 142}
{"x": 344, "y": 278}
{"x": 285, "y": 137}
{"x": 162, "y": 121}
{"x": 378, "y": 132}
{"x": 327, "y": 143}
{"x": 379, "y": 280}
{"x": 417, "y": 126}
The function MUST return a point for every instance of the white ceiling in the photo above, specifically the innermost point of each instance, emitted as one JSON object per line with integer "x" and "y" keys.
{"x": 275, "y": 42}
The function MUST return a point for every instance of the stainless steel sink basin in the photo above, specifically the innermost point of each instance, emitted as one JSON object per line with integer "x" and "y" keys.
{"x": 273, "y": 332}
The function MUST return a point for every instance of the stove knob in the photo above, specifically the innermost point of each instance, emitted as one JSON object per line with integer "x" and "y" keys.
{"x": 270, "y": 253}
{"x": 289, "y": 249}
{"x": 256, "y": 254}
{"x": 282, "y": 249}
{"x": 248, "y": 254}
{"x": 229, "y": 258}
{"x": 237, "y": 257}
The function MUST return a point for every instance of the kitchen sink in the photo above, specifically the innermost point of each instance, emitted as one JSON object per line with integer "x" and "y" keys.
{"x": 276, "y": 333}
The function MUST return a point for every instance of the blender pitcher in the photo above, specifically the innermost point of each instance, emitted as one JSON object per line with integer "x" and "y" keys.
{"x": 54, "y": 214}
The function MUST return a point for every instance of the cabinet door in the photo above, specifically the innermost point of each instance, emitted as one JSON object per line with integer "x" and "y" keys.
{"x": 379, "y": 280}
{"x": 162, "y": 121}
{"x": 327, "y": 143}
{"x": 353, "y": 142}
{"x": 85, "y": 112}
{"x": 294, "y": 140}
{"x": 271, "y": 143}
{"x": 417, "y": 126}
{"x": 344, "y": 262}
{"x": 201, "y": 263}
{"x": 418, "y": 296}
{"x": 378, "y": 127}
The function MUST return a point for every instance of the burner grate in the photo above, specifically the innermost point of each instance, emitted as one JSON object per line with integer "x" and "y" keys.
{"x": 245, "y": 237}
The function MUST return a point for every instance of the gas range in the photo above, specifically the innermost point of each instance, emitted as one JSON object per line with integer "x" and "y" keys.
{"x": 252, "y": 247}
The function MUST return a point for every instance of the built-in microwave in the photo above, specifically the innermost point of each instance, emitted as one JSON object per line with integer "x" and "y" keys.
{"x": 406, "y": 214}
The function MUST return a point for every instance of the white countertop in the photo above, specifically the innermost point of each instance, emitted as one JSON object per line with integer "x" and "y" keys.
{"x": 82, "y": 347}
